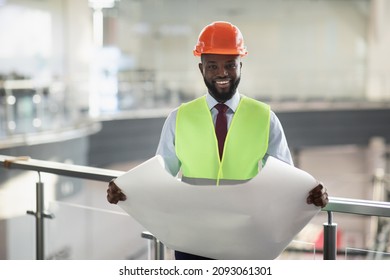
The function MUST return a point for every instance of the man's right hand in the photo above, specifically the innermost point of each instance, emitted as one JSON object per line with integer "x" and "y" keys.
{"x": 114, "y": 193}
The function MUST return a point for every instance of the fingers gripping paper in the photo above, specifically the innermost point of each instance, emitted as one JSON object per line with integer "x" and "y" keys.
{"x": 252, "y": 220}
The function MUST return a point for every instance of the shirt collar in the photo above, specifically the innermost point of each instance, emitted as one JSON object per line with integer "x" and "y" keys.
{"x": 232, "y": 103}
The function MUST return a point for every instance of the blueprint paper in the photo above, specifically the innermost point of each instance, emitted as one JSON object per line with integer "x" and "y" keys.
{"x": 252, "y": 220}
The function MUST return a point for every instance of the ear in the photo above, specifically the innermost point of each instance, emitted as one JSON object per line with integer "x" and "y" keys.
{"x": 200, "y": 65}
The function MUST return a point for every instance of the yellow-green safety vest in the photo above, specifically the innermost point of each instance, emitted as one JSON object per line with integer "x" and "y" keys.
{"x": 245, "y": 145}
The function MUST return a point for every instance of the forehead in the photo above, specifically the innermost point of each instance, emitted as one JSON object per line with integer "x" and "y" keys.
{"x": 209, "y": 58}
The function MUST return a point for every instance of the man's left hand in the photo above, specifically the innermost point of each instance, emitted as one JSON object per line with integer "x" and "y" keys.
{"x": 318, "y": 196}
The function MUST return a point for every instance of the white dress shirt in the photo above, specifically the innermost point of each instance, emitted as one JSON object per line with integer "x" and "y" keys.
{"x": 277, "y": 143}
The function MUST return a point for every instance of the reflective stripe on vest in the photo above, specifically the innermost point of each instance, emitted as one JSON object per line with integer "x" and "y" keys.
{"x": 245, "y": 145}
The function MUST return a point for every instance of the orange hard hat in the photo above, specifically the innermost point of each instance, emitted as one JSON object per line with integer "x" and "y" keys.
{"x": 220, "y": 37}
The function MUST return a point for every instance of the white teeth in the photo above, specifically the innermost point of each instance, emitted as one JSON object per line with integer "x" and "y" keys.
{"x": 222, "y": 82}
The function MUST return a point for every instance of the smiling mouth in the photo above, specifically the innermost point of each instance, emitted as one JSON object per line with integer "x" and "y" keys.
{"x": 222, "y": 83}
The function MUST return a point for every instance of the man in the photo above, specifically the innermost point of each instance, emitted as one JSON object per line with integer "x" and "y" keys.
{"x": 221, "y": 137}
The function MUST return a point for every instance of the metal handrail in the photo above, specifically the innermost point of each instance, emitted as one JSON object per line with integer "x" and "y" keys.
{"x": 358, "y": 207}
{"x": 336, "y": 204}
{"x": 64, "y": 169}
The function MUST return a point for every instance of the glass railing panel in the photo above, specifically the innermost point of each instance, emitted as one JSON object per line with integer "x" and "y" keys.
{"x": 17, "y": 238}
{"x": 86, "y": 226}
{"x": 307, "y": 244}
{"x": 362, "y": 254}
{"x": 17, "y": 229}
{"x": 299, "y": 250}
{"x": 80, "y": 232}
{"x": 376, "y": 245}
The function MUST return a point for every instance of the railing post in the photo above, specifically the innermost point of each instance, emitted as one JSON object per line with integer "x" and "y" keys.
{"x": 330, "y": 238}
{"x": 159, "y": 248}
{"x": 40, "y": 240}
{"x": 39, "y": 220}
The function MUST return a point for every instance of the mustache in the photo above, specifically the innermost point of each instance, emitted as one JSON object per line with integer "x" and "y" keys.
{"x": 222, "y": 97}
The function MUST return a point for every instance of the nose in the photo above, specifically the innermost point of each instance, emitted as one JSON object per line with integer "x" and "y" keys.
{"x": 222, "y": 72}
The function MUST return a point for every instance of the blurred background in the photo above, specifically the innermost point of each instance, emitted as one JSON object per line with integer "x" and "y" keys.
{"x": 91, "y": 83}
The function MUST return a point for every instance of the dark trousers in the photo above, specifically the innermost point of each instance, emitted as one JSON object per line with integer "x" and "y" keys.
{"x": 185, "y": 256}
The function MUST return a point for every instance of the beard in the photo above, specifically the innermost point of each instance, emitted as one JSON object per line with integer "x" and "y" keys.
{"x": 222, "y": 97}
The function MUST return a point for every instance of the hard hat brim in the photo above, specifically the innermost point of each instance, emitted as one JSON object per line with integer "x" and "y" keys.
{"x": 221, "y": 51}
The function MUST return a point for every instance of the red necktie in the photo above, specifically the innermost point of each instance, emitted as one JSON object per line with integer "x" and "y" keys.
{"x": 221, "y": 126}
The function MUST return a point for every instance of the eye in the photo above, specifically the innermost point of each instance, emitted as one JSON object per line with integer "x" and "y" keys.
{"x": 231, "y": 65}
{"x": 211, "y": 67}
